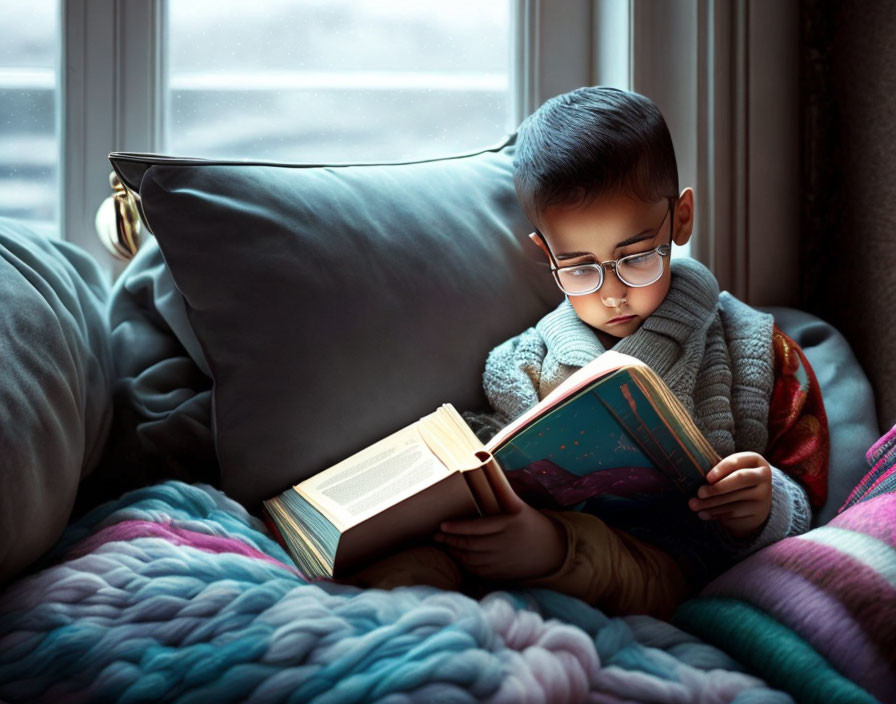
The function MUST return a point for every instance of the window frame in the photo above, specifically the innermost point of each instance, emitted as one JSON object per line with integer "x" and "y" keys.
{"x": 110, "y": 85}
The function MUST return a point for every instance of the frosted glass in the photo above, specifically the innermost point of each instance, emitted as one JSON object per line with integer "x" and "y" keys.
{"x": 28, "y": 104}
{"x": 336, "y": 80}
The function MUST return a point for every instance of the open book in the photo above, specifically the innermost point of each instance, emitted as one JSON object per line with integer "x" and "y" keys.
{"x": 611, "y": 431}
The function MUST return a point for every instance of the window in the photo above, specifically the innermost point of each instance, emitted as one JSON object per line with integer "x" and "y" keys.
{"x": 336, "y": 80}
{"x": 28, "y": 105}
{"x": 301, "y": 80}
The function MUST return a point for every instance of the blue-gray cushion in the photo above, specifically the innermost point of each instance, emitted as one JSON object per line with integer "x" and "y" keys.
{"x": 55, "y": 379}
{"x": 334, "y": 304}
{"x": 848, "y": 401}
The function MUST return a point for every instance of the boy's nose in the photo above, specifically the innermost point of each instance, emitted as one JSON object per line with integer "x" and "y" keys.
{"x": 613, "y": 291}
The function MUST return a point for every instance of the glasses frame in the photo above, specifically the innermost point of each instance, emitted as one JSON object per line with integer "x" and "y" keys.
{"x": 664, "y": 250}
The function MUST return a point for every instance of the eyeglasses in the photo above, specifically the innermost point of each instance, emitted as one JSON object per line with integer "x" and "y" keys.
{"x": 635, "y": 270}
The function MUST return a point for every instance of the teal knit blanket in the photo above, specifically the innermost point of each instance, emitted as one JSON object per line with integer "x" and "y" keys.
{"x": 174, "y": 593}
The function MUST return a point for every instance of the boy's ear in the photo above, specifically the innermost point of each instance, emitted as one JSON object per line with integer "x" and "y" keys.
{"x": 539, "y": 240}
{"x": 684, "y": 217}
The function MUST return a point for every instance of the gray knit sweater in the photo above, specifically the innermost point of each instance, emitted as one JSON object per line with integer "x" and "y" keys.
{"x": 713, "y": 351}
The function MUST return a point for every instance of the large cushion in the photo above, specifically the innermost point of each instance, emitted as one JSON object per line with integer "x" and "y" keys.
{"x": 334, "y": 304}
{"x": 55, "y": 377}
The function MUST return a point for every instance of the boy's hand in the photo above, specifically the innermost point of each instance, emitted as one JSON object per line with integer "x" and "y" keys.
{"x": 522, "y": 542}
{"x": 738, "y": 494}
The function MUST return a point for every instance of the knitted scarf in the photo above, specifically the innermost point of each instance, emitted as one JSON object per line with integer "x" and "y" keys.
{"x": 713, "y": 351}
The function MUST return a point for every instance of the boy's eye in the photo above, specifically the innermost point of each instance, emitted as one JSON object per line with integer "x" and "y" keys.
{"x": 640, "y": 259}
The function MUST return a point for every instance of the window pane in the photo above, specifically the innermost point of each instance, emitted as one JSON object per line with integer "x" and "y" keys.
{"x": 337, "y": 80}
{"x": 28, "y": 147}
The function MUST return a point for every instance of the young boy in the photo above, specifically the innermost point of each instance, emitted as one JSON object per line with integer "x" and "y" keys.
{"x": 595, "y": 172}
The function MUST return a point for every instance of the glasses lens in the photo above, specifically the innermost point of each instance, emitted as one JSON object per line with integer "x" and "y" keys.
{"x": 640, "y": 269}
{"x": 580, "y": 279}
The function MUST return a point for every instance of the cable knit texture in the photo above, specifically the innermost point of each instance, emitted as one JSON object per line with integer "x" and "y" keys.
{"x": 714, "y": 351}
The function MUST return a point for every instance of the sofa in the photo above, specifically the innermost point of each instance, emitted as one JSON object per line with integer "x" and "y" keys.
{"x": 279, "y": 317}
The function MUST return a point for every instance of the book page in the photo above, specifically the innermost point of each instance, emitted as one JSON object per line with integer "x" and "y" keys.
{"x": 451, "y": 439}
{"x": 303, "y": 548}
{"x": 370, "y": 481}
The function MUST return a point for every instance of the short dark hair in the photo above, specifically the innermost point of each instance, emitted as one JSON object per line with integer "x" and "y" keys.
{"x": 591, "y": 141}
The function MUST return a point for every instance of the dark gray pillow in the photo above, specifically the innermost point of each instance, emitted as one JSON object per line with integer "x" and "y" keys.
{"x": 334, "y": 304}
{"x": 55, "y": 378}
{"x": 848, "y": 401}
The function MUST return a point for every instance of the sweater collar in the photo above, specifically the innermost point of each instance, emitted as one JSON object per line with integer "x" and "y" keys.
{"x": 571, "y": 341}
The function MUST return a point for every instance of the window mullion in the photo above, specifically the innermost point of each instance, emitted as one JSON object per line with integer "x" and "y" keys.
{"x": 140, "y": 82}
{"x": 552, "y": 52}
{"x": 612, "y": 43}
{"x": 85, "y": 112}
{"x": 110, "y": 78}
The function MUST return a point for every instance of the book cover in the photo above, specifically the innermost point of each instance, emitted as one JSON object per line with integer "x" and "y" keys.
{"x": 612, "y": 427}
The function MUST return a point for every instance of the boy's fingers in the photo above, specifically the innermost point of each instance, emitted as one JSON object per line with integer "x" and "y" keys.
{"x": 748, "y": 493}
{"x": 738, "y": 509}
{"x": 507, "y": 498}
{"x": 482, "y": 564}
{"x": 476, "y": 526}
{"x": 740, "y": 479}
{"x": 723, "y": 469}
{"x": 466, "y": 543}
{"x": 471, "y": 557}
{"x": 731, "y": 464}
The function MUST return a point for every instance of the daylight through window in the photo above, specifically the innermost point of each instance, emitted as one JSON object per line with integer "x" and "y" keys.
{"x": 336, "y": 80}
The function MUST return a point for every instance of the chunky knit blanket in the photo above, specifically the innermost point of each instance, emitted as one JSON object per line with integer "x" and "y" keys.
{"x": 816, "y": 613}
{"x": 175, "y": 593}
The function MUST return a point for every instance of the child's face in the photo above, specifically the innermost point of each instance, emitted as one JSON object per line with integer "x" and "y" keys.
{"x": 609, "y": 228}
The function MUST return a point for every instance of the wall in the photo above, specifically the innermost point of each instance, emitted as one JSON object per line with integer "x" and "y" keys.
{"x": 848, "y": 223}
{"x": 726, "y": 76}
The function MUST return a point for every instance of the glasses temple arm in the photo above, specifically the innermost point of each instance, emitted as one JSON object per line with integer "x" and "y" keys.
{"x": 544, "y": 247}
